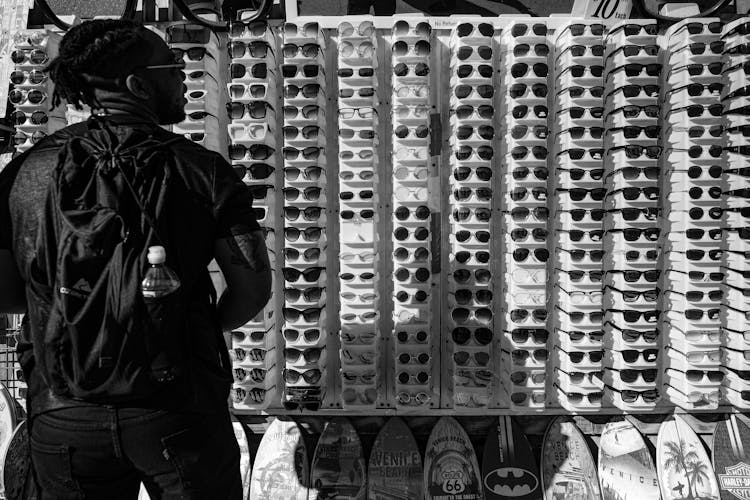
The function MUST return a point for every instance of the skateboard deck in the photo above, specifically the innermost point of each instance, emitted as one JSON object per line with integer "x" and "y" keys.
{"x": 239, "y": 433}
{"x": 281, "y": 470}
{"x": 509, "y": 470}
{"x": 684, "y": 469}
{"x": 17, "y": 466}
{"x": 143, "y": 494}
{"x": 395, "y": 468}
{"x": 338, "y": 467}
{"x": 8, "y": 421}
{"x": 568, "y": 469}
{"x": 451, "y": 471}
{"x": 731, "y": 457}
{"x": 626, "y": 469}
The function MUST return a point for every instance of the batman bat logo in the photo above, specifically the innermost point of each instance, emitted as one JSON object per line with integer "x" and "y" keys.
{"x": 511, "y": 482}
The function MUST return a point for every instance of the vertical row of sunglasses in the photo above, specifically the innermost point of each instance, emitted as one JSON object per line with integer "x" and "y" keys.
{"x": 198, "y": 47}
{"x": 693, "y": 202}
{"x": 632, "y": 70}
{"x": 305, "y": 202}
{"x": 470, "y": 282}
{"x": 706, "y": 188}
{"x": 525, "y": 110}
{"x": 577, "y": 219}
{"x": 411, "y": 46}
{"x": 359, "y": 277}
{"x": 735, "y": 99}
{"x": 30, "y": 90}
{"x": 253, "y": 151}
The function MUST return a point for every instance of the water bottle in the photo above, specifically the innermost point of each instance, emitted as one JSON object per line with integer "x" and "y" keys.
{"x": 160, "y": 280}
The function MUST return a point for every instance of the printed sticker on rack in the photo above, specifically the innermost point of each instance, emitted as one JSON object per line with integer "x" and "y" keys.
{"x": 737, "y": 480}
{"x": 511, "y": 482}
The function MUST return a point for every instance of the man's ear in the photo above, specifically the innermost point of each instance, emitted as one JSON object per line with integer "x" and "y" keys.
{"x": 138, "y": 87}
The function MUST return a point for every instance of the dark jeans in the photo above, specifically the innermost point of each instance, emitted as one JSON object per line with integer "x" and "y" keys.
{"x": 104, "y": 453}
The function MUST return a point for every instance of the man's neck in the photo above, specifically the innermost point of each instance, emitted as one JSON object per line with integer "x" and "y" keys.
{"x": 115, "y": 104}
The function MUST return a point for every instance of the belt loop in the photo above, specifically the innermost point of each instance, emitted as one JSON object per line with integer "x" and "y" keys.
{"x": 115, "y": 428}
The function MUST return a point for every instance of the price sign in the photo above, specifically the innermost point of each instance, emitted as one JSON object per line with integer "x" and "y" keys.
{"x": 603, "y": 9}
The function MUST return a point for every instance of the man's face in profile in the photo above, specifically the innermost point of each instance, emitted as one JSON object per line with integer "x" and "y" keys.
{"x": 167, "y": 98}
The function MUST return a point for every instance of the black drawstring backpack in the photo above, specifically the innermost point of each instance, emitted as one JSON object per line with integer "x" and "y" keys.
{"x": 105, "y": 200}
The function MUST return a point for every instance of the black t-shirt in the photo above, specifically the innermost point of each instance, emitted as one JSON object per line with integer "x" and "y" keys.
{"x": 209, "y": 199}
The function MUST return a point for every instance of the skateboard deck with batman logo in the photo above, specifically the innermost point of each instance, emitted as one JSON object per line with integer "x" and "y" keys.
{"x": 509, "y": 470}
{"x": 731, "y": 458}
{"x": 451, "y": 471}
{"x": 338, "y": 466}
{"x": 395, "y": 467}
{"x": 626, "y": 469}
{"x": 568, "y": 469}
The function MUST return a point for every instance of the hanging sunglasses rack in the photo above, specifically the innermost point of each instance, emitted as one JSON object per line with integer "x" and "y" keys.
{"x": 736, "y": 243}
{"x": 359, "y": 204}
{"x": 692, "y": 201}
{"x": 470, "y": 286}
{"x": 306, "y": 196}
{"x": 578, "y": 212}
{"x": 198, "y": 47}
{"x": 31, "y": 90}
{"x": 609, "y": 132}
{"x": 525, "y": 103}
{"x": 253, "y": 132}
{"x": 617, "y": 255}
{"x": 415, "y": 384}
{"x": 631, "y": 154}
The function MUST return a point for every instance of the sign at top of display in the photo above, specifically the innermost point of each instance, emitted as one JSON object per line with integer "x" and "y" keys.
{"x": 604, "y": 9}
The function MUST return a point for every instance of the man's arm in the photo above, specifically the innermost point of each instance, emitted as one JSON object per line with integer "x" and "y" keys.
{"x": 243, "y": 260}
{"x": 12, "y": 289}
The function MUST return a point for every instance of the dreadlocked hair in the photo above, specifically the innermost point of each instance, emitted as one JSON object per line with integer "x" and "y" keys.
{"x": 97, "y": 48}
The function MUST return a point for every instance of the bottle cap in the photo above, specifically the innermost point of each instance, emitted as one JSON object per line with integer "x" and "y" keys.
{"x": 156, "y": 255}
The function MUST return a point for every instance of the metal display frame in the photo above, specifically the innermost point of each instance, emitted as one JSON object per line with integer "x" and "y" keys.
{"x": 441, "y": 34}
{"x": 439, "y": 81}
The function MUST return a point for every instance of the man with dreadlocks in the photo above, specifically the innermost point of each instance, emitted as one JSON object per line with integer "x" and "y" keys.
{"x": 178, "y": 446}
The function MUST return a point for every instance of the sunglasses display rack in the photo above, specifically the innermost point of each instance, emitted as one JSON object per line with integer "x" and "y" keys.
{"x": 524, "y": 71}
{"x": 608, "y": 164}
{"x": 199, "y": 49}
{"x": 578, "y": 189}
{"x": 31, "y": 90}
{"x": 470, "y": 284}
{"x": 359, "y": 220}
{"x": 692, "y": 201}
{"x": 254, "y": 153}
{"x": 736, "y": 286}
{"x": 415, "y": 380}
{"x": 306, "y": 195}
{"x": 631, "y": 237}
